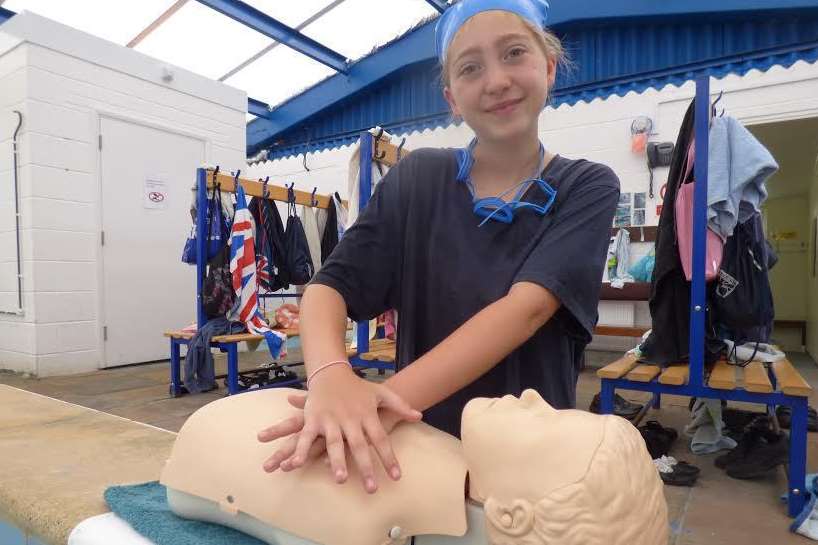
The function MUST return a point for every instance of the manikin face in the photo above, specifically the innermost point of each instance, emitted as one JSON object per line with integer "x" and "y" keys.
{"x": 514, "y": 446}
{"x": 499, "y": 76}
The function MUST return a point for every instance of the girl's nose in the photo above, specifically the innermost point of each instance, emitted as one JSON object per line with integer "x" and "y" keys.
{"x": 497, "y": 79}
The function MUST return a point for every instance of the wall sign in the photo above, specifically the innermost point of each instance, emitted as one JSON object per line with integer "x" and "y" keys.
{"x": 155, "y": 194}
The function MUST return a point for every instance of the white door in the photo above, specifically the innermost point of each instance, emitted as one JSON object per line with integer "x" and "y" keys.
{"x": 147, "y": 175}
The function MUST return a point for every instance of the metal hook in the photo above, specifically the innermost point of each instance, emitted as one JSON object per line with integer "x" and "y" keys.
{"x": 313, "y": 200}
{"x": 713, "y": 107}
{"x": 305, "y": 162}
{"x": 400, "y": 146}
{"x": 216, "y": 176}
{"x": 264, "y": 191}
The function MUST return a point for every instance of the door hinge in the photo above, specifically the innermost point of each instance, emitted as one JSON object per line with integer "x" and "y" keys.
{"x": 100, "y": 141}
{"x": 102, "y": 238}
{"x": 105, "y": 333}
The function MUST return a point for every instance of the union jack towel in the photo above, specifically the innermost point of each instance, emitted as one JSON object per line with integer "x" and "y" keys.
{"x": 243, "y": 270}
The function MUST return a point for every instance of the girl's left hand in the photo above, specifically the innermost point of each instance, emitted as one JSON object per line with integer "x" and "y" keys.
{"x": 293, "y": 426}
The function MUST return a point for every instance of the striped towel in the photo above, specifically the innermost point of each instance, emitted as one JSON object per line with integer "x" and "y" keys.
{"x": 243, "y": 270}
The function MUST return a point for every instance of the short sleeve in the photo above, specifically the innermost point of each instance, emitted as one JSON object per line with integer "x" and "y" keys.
{"x": 363, "y": 266}
{"x": 570, "y": 257}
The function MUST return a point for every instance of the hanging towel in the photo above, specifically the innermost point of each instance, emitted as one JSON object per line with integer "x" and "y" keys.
{"x": 329, "y": 238}
{"x": 313, "y": 237}
{"x": 706, "y": 428}
{"x": 321, "y": 218}
{"x": 738, "y": 167}
{"x": 243, "y": 270}
{"x": 619, "y": 256}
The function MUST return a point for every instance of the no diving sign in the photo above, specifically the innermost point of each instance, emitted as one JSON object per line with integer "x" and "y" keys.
{"x": 155, "y": 194}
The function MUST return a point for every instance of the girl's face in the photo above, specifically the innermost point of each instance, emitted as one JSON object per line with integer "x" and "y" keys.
{"x": 499, "y": 76}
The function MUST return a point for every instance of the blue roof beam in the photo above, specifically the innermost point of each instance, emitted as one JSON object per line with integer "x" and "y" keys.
{"x": 278, "y": 31}
{"x": 5, "y": 15}
{"x": 439, "y": 5}
{"x": 258, "y": 108}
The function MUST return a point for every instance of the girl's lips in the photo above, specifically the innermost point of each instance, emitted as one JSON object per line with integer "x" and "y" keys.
{"x": 505, "y": 107}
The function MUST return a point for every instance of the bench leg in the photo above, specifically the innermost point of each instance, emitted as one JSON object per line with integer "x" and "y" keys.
{"x": 606, "y": 398}
{"x": 657, "y": 401}
{"x": 797, "y": 496}
{"x": 233, "y": 368}
{"x": 175, "y": 371}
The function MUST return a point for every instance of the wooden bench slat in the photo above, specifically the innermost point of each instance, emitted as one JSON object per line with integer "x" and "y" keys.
{"x": 378, "y": 356}
{"x": 789, "y": 380}
{"x": 675, "y": 375}
{"x": 235, "y": 337}
{"x": 644, "y": 373}
{"x": 374, "y": 345}
{"x": 617, "y": 368}
{"x": 756, "y": 379}
{"x": 723, "y": 376}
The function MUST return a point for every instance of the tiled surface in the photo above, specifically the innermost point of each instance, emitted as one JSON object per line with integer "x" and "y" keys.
{"x": 717, "y": 510}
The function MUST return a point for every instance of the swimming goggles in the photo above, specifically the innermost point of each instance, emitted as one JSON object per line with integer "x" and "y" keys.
{"x": 496, "y": 208}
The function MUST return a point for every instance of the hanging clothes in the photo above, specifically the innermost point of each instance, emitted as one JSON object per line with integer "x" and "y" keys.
{"x": 340, "y": 214}
{"x": 243, "y": 270}
{"x": 619, "y": 256}
{"x": 738, "y": 167}
{"x": 310, "y": 223}
{"x": 669, "y": 302}
{"x": 270, "y": 248}
{"x": 329, "y": 237}
{"x": 200, "y": 374}
{"x": 321, "y": 219}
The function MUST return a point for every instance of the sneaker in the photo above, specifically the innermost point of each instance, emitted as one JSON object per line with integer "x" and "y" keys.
{"x": 680, "y": 466}
{"x": 755, "y": 432}
{"x": 657, "y": 438}
{"x": 622, "y": 407}
{"x": 671, "y": 475}
{"x": 764, "y": 457}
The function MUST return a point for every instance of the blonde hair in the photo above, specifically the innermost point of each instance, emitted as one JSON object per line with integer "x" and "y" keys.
{"x": 550, "y": 45}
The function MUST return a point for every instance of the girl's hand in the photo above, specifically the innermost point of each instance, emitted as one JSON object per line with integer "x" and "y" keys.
{"x": 341, "y": 407}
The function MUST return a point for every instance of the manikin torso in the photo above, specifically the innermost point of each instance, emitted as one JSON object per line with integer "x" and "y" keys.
{"x": 522, "y": 455}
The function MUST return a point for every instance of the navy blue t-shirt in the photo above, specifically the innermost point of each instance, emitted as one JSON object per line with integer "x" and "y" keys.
{"x": 417, "y": 248}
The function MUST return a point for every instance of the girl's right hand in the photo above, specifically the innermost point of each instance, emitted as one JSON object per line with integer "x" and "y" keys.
{"x": 342, "y": 408}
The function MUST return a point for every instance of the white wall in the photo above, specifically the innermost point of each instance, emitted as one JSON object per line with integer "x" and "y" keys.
{"x": 600, "y": 131}
{"x": 63, "y": 80}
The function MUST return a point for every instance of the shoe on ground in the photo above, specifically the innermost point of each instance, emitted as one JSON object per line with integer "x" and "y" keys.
{"x": 622, "y": 407}
{"x": 766, "y": 455}
{"x": 671, "y": 475}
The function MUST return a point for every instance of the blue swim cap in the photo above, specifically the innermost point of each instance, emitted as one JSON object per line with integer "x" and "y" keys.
{"x": 534, "y": 11}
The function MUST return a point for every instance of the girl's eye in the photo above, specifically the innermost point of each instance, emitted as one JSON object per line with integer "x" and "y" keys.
{"x": 467, "y": 69}
{"x": 516, "y": 51}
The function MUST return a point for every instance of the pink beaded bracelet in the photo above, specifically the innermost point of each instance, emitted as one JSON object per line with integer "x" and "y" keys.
{"x": 336, "y": 362}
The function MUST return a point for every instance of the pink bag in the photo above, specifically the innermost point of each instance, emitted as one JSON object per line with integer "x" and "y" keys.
{"x": 684, "y": 227}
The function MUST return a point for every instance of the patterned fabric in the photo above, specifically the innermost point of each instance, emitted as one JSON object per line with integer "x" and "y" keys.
{"x": 245, "y": 284}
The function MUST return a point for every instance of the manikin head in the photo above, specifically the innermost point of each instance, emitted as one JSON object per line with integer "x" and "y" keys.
{"x": 569, "y": 477}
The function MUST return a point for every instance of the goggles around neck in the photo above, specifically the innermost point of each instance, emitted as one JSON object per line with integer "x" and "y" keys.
{"x": 495, "y": 208}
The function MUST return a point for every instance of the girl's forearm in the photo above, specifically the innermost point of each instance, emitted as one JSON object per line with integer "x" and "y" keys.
{"x": 476, "y": 346}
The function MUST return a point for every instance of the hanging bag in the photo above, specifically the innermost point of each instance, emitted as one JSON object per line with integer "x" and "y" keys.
{"x": 684, "y": 226}
{"x": 743, "y": 298}
{"x": 299, "y": 262}
{"x": 218, "y": 295}
{"x": 217, "y": 229}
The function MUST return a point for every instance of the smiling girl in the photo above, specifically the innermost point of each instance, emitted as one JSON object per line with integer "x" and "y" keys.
{"x": 492, "y": 255}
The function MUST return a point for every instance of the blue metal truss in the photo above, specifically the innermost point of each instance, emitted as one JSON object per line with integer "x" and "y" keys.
{"x": 261, "y": 22}
{"x": 439, "y": 5}
{"x": 258, "y": 108}
{"x": 5, "y": 15}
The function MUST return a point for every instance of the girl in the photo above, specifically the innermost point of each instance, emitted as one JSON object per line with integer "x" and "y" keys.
{"x": 492, "y": 255}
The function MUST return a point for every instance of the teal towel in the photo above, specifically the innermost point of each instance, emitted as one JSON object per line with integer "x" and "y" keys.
{"x": 145, "y": 507}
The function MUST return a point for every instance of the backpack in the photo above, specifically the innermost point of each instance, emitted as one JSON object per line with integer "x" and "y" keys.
{"x": 218, "y": 295}
{"x": 742, "y": 298}
{"x": 270, "y": 244}
{"x": 298, "y": 261}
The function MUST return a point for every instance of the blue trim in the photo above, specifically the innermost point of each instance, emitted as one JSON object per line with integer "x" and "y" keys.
{"x": 201, "y": 243}
{"x": 258, "y": 108}
{"x": 364, "y": 192}
{"x": 278, "y": 31}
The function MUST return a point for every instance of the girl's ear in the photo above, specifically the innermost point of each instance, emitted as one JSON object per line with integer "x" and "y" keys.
{"x": 552, "y": 73}
{"x": 447, "y": 94}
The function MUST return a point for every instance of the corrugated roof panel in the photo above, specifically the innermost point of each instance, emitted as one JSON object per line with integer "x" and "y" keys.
{"x": 609, "y": 59}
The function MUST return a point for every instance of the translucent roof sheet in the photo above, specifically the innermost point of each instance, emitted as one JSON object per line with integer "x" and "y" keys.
{"x": 204, "y": 41}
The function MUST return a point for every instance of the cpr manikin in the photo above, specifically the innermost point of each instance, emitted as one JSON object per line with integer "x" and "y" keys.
{"x": 537, "y": 476}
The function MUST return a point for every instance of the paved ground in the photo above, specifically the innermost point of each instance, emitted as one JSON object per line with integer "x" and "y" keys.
{"x": 718, "y": 510}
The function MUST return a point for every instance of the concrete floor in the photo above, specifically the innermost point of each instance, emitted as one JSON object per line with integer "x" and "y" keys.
{"x": 718, "y": 510}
